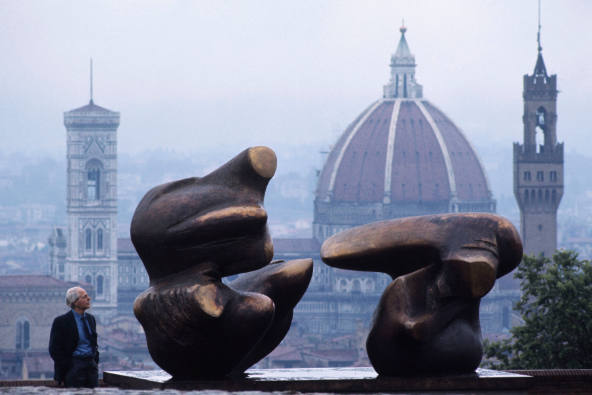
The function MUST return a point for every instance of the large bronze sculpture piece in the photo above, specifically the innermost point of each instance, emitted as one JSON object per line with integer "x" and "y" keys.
{"x": 427, "y": 320}
{"x": 190, "y": 234}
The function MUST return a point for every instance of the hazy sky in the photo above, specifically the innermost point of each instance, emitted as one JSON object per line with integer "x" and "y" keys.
{"x": 190, "y": 76}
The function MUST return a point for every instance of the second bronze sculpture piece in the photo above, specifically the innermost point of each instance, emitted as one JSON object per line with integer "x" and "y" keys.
{"x": 190, "y": 234}
{"x": 427, "y": 320}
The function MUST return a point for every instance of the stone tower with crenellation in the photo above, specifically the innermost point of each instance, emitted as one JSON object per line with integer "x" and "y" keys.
{"x": 538, "y": 162}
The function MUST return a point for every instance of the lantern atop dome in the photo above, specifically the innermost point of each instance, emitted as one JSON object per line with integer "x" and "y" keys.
{"x": 402, "y": 83}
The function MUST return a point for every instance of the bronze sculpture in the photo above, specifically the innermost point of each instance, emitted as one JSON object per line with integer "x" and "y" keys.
{"x": 427, "y": 320}
{"x": 189, "y": 234}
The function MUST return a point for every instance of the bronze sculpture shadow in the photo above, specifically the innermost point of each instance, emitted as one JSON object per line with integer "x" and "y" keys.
{"x": 427, "y": 320}
{"x": 190, "y": 234}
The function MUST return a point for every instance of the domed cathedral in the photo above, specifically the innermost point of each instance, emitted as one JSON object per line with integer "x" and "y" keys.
{"x": 402, "y": 156}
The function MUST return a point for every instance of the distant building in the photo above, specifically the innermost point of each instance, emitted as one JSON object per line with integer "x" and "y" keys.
{"x": 88, "y": 250}
{"x": 132, "y": 277}
{"x": 538, "y": 165}
{"x": 29, "y": 214}
{"x": 90, "y": 242}
{"x": 28, "y": 305}
{"x": 402, "y": 156}
{"x": 58, "y": 253}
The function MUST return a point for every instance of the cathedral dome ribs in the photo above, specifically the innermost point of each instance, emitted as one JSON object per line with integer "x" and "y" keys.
{"x": 401, "y": 156}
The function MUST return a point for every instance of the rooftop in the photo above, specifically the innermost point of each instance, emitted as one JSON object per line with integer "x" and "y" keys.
{"x": 32, "y": 280}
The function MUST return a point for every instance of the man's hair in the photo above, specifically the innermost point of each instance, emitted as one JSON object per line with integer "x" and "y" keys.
{"x": 72, "y": 296}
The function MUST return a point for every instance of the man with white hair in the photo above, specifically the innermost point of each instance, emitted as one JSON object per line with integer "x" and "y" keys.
{"x": 73, "y": 343}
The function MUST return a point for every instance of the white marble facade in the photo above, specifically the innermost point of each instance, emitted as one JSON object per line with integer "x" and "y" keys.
{"x": 92, "y": 203}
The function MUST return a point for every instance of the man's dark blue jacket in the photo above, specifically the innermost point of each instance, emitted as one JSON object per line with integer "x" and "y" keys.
{"x": 63, "y": 340}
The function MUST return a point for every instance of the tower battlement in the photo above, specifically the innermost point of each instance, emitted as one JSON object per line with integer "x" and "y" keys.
{"x": 544, "y": 155}
{"x": 537, "y": 87}
{"x": 538, "y": 168}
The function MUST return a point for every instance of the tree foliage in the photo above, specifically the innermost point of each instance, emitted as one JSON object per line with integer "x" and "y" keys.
{"x": 556, "y": 306}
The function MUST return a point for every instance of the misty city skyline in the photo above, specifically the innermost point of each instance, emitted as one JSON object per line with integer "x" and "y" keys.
{"x": 196, "y": 82}
{"x": 191, "y": 76}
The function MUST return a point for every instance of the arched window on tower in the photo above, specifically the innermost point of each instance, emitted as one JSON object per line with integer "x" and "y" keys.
{"x": 88, "y": 279}
{"x": 22, "y": 334}
{"x": 541, "y": 115}
{"x": 540, "y": 127}
{"x": 94, "y": 169}
{"x": 100, "y": 239}
{"x": 88, "y": 239}
{"x": 93, "y": 184}
{"x": 99, "y": 285}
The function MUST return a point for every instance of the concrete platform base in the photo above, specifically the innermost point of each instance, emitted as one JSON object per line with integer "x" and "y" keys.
{"x": 358, "y": 380}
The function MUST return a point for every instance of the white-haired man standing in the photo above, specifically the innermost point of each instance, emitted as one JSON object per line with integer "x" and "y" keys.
{"x": 73, "y": 343}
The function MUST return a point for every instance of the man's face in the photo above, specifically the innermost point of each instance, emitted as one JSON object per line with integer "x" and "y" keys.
{"x": 83, "y": 301}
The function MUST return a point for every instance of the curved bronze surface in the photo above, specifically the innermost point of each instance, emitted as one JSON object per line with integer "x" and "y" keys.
{"x": 189, "y": 234}
{"x": 427, "y": 321}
